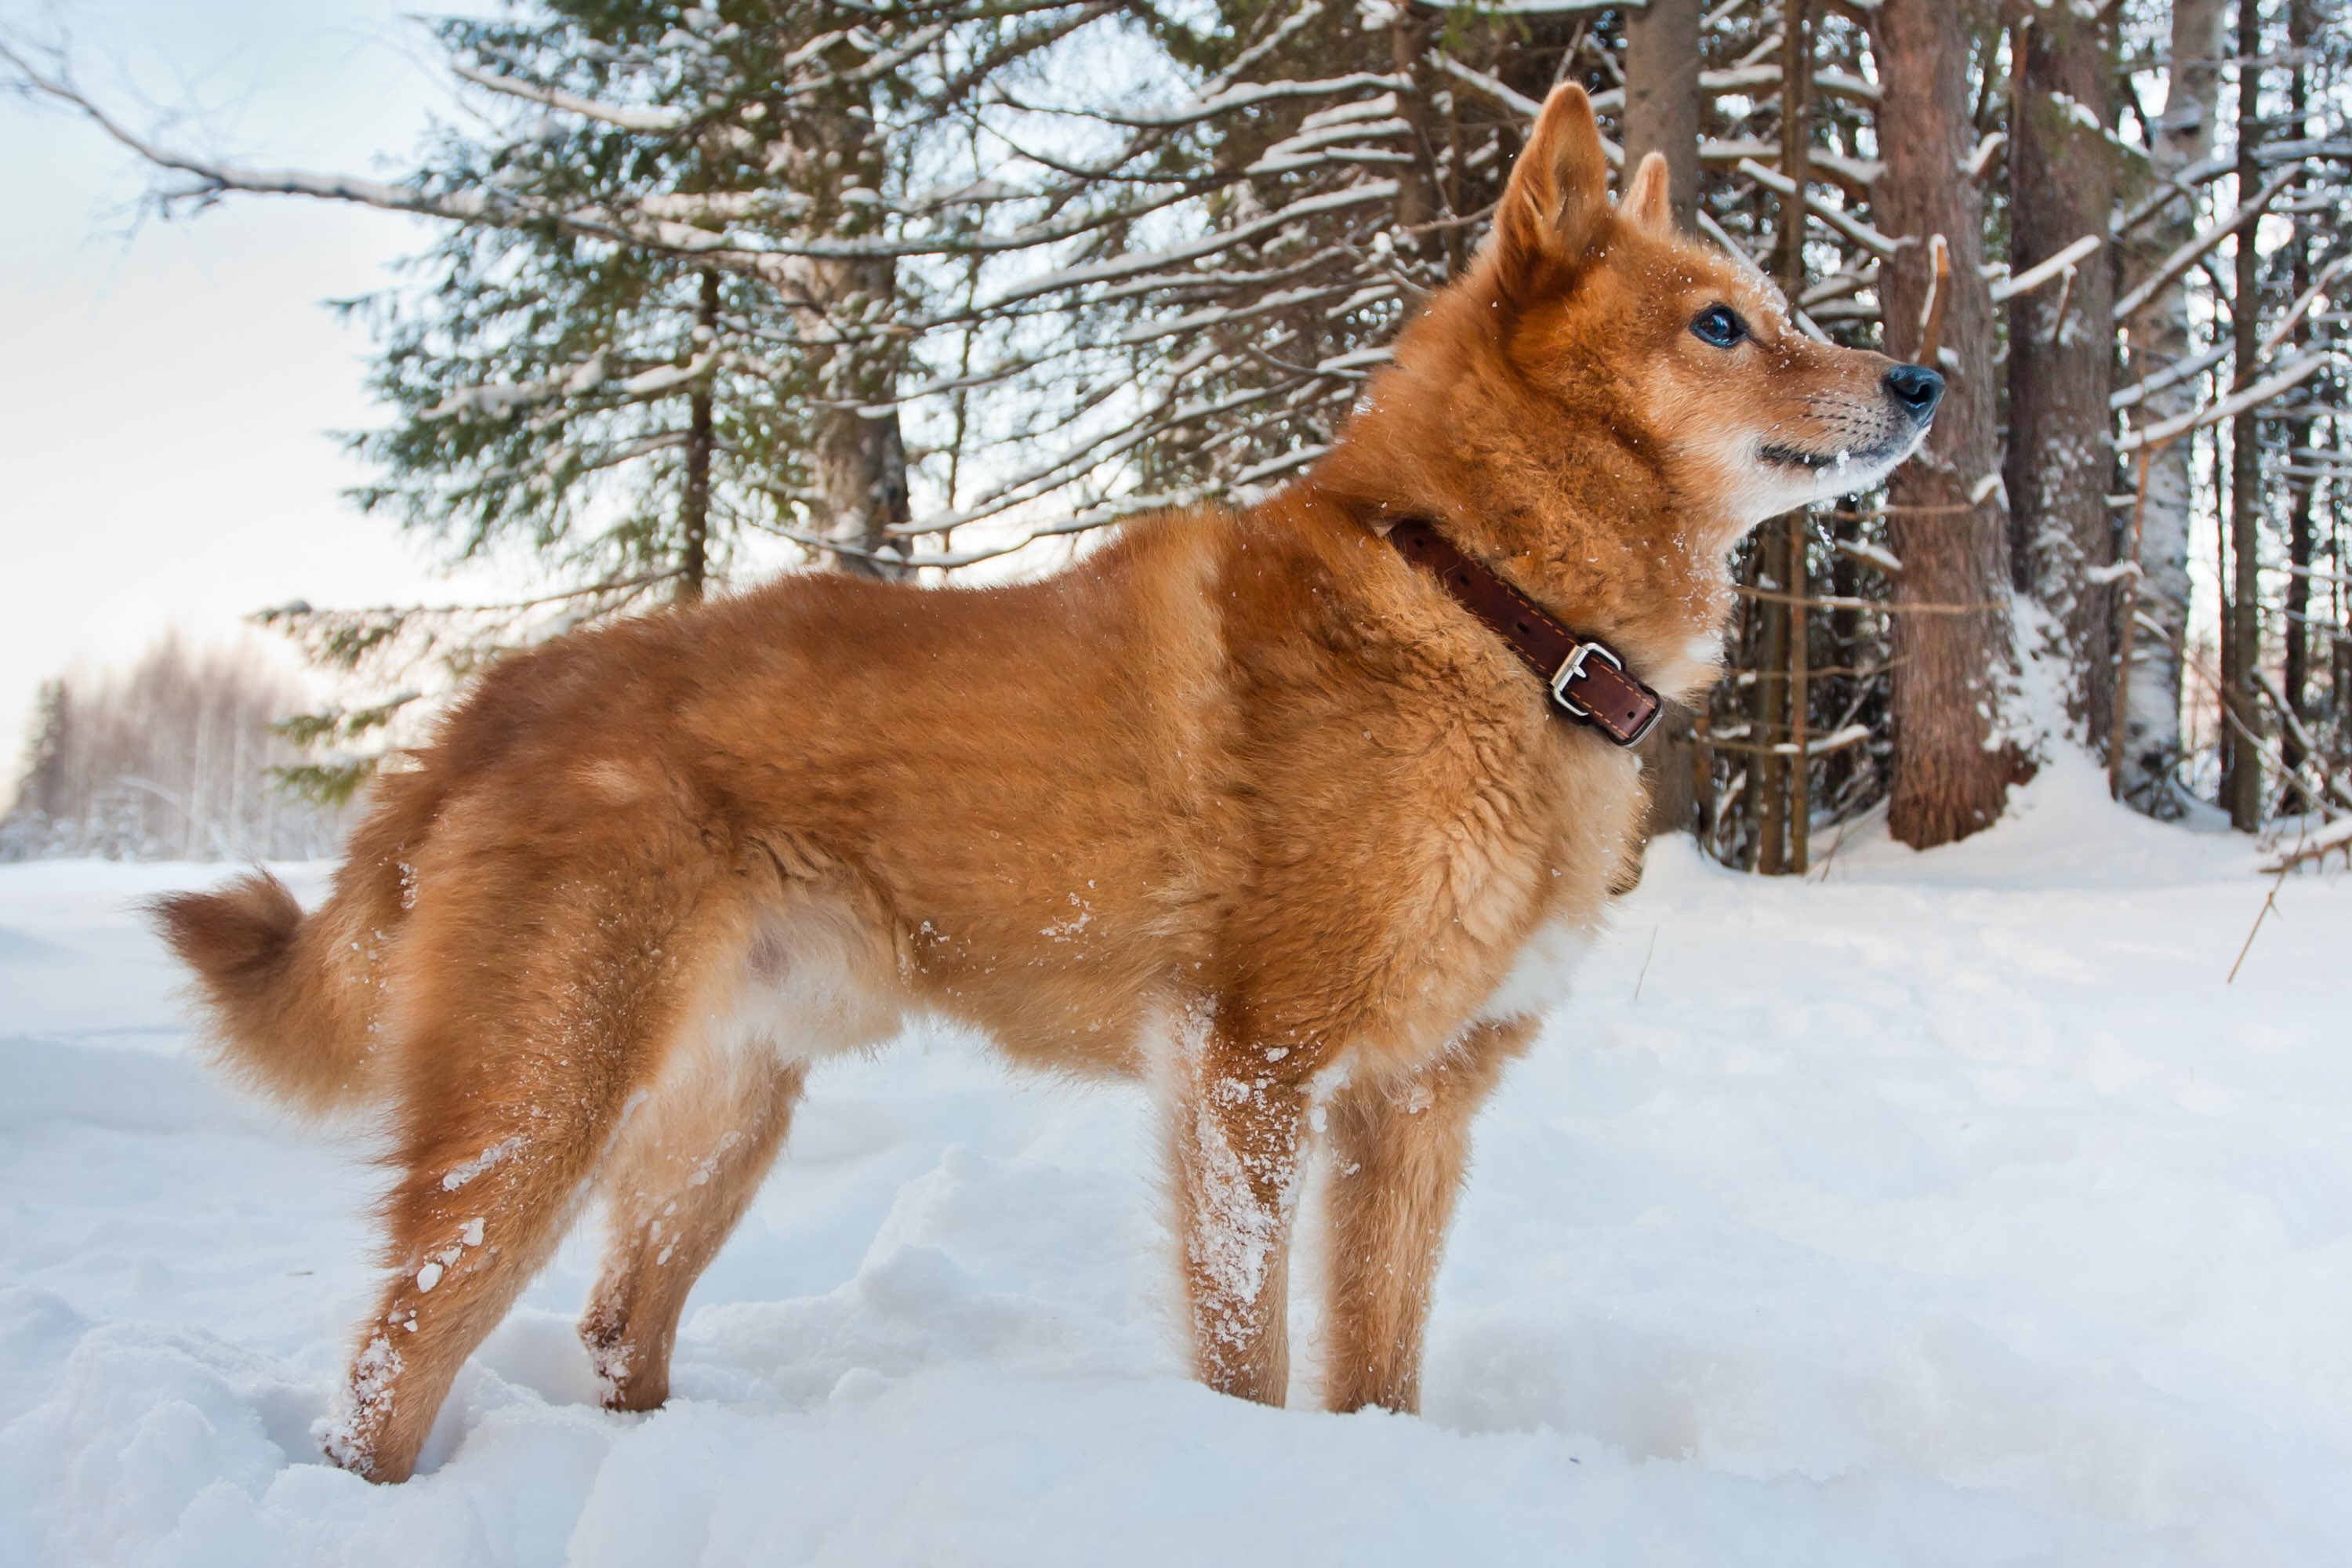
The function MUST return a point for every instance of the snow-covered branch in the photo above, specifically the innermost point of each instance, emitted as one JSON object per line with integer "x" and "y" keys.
{"x": 646, "y": 119}
{"x": 1518, "y": 102}
{"x": 2170, "y": 376}
{"x": 1237, "y": 98}
{"x": 1854, "y": 228}
{"x": 2290, "y": 375}
{"x": 2043, "y": 271}
{"x": 2186, "y": 256}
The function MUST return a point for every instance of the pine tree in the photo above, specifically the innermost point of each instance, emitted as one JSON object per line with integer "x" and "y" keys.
{"x": 625, "y": 406}
{"x": 916, "y": 287}
{"x": 40, "y": 788}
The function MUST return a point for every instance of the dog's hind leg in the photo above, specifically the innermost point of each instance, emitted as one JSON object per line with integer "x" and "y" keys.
{"x": 537, "y": 1016}
{"x": 1399, "y": 1147}
{"x": 683, "y": 1174}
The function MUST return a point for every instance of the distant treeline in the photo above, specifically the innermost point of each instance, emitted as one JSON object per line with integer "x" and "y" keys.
{"x": 172, "y": 761}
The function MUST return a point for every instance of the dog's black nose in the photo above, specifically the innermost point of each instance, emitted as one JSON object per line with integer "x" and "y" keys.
{"x": 1917, "y": 388}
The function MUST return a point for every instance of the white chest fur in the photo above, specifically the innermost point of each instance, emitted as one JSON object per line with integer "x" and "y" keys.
{"x": 1540, "y": 978}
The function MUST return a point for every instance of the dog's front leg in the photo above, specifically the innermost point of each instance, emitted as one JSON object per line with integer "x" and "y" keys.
{"x": 1238, "y": 1115}
{"x": 1399, "y": 1146}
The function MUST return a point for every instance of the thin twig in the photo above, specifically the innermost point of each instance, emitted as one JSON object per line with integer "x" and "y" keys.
{"x": 2268, "y": 899}
{"x": 1846, "y": 601}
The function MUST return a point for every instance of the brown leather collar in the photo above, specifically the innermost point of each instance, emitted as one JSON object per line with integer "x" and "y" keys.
{"x": 1587, "y": 680}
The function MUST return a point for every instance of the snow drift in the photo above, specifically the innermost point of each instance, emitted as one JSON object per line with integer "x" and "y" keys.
{"x": 1945, "y": 1209}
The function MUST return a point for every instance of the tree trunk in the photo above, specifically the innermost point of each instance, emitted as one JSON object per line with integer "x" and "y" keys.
{"x": 1662, "y": 47}
{"x": 860, "y": 461}
{"x": 1767, "y": 769}
{"x": 2062, "y": 346}
{"x": 2297, "y": 628}
{"x": 1407, "y": 51}
{"x": 2339, "y": 641}
{"x": 2242, "y": 776}
{"x": 1790, "y": 800}
{"x": 1955, "y": 672}
{"x": 2160, "y": 336}
{"x": 694, "y": 506}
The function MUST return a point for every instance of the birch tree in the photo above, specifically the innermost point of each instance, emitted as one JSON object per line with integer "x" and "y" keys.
{"x": 2160, "y": 339}
{"x": 172, "y": 758}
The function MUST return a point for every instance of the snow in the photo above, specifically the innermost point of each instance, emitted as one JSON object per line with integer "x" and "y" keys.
{"x": 465, "y": 1171}
{"x": 1947, "y": 1208}
{"x": 2008, "y": 288}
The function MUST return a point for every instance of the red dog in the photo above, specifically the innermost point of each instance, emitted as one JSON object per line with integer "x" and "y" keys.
{"x": 1260, "y": 805}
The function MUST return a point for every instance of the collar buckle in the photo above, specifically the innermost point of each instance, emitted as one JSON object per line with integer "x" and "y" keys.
{"x": 1572, "y": 669}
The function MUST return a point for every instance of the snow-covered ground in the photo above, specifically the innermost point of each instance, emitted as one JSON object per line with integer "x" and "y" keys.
{"x": 1944, "y": 1209}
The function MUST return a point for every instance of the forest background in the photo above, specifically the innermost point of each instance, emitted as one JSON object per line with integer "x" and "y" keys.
{"x": 933, "y": 291}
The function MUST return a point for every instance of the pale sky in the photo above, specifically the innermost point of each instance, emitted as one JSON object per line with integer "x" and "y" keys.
{"x": 167, "y": 395}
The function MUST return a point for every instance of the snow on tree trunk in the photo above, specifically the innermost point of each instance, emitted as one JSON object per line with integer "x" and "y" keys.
{"x": 694, "y": 504}
{"x": 2295, "y": 675}
{"x": 2062, "y": 346}
{"x": 2241, "y": 757}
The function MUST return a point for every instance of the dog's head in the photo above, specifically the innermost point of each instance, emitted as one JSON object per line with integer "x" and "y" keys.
{"x": 1703, "y": 349}
{"x": 1686, "y": 353}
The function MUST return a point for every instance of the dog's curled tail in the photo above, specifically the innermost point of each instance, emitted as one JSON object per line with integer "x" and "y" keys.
{"x": 283, "y": 1013}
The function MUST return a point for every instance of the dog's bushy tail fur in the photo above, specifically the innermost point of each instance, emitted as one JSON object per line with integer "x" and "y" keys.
{"x": 284, "y": 1016}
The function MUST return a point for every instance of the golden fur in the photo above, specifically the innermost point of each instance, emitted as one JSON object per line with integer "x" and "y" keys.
{"x": 1239, "y": 802}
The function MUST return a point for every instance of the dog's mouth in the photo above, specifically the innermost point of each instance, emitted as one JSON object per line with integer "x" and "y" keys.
{"x": 1858, "y": 460}
{"x": 1792, "y": 457}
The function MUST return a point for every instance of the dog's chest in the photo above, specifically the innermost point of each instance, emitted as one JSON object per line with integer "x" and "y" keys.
{"x": 1542, "y": 974}
{"x": 1572, "y": 838}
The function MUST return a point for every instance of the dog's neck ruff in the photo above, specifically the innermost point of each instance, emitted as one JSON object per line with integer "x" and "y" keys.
{"x": 1586, "y": 678}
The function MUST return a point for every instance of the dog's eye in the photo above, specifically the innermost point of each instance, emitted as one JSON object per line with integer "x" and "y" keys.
{"x": 1719, "y": 325}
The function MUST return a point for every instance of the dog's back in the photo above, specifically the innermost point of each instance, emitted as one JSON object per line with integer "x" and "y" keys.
{"x": 818, "y": 723}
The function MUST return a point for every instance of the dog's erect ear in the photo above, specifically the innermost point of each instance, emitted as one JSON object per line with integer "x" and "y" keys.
{"x": 1557, "y": 199}
{"x": 1647, "y": 203}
